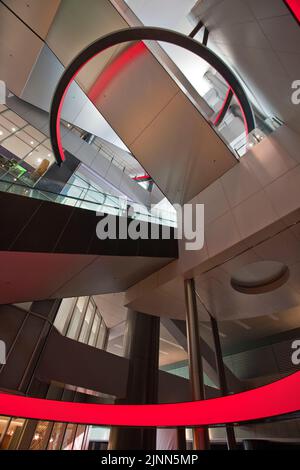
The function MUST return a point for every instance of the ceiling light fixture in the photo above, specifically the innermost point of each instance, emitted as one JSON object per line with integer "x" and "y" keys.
{"x": 260, "y": 277}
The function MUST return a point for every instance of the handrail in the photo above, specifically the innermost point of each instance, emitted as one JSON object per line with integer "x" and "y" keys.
{"x": 98, "y": 206}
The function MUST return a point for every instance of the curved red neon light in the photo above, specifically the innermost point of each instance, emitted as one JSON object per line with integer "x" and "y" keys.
{"x": 104, "y": 79}
{"x": 217, "y": 119}
{"x": 279, "y": 398}
{"x": 116, "y": 66}
{"x": 294, "y": 6}
{"x": 114, "y": 69}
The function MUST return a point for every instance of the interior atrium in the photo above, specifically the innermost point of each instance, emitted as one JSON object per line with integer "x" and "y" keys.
{"x": 150, "y": 225}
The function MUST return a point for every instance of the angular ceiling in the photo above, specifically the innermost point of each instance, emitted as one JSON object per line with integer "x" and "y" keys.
{"x": 142, "y": 104}
{"x": 260, "y": 40}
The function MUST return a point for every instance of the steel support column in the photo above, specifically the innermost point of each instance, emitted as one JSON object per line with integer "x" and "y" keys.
{"x": 142, "y": 349}
{"x": 200, "y": 435}
{"x": 231, "y": 442}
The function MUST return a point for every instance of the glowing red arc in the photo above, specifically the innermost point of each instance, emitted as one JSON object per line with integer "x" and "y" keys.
{"x": 278, "y": 398}
{"x": 107, "y": 76}
{"x": 294, "y": 6}
{"x": 115, "y": 68}
{"x": 99, "y": 86}
{"x": 216, "y": 121}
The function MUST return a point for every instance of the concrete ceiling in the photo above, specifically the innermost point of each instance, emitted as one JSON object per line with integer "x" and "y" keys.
{"x": 215, "y": 290}
{"x": 27, "y": 276}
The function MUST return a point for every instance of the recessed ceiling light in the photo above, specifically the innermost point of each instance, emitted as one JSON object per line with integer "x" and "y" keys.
{"x": 49, "y": 154}
{"x": 260, "y": 277}
{"x": 68, "y": 125}
{"x": 31, "y": 142}
{"x": 13, "y": 129}
{"x": 1, "y": 132}
{"x": 39, "y": 160}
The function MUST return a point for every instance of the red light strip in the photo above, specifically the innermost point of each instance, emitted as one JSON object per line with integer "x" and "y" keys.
{"x": 294, "y": 6}
{"x": 115, "y": 68}
{"x": 126, "y": 57}
{"x": 142, "y": 178}
{"x": 108, "y": 75}
{"x": 278, "y": 398}
{"x": 216, "y": 121}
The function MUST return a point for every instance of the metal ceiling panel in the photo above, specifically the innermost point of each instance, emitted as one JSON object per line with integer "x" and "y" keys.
{"x": 19, "y": 49}
{"x": 162, "y": 128}
{"x": 181, "y": 151}
{"x": 36, "y": 13}
{"x": 78, "y": 23}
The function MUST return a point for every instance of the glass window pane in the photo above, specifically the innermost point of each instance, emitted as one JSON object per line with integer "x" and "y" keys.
{"x": 75, "y": 324}
{"x": 76, "y": 321}
{"x": 63, "y": 315}
{"x": 101, "y": 336}
{"x": 81, "y": 303}
{"x": 94, "y": 330}
{"x": 13, "y": 434}
{"x": 86, "y": 324}
{"x": 69, "y": 436}
{"x": 56, "y": 436}
{"x": 40, "y": 435}
{"x": 78, "y": 442}
{"x": 3, "y": 425}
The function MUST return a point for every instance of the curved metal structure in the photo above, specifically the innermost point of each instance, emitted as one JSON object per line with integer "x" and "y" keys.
{"x": 278, "y": 398}
{"x": 140, "y": 34}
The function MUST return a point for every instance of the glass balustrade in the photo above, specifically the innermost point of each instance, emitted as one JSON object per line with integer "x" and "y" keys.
{"x": 89, "y": 199}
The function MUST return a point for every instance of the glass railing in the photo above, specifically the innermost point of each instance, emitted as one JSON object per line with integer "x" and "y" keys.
{"x": 89, "y": 199}
{"x": 106, "y": 151}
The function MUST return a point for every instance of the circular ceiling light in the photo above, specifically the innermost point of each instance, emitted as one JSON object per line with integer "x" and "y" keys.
{"x": 260, "y": 277}
{"x": 141, "y": 34}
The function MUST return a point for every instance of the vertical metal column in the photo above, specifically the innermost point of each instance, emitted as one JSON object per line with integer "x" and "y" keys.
{"x": 200, "y": 435}
{"x": 231, "y": 442}
{"x": 181, "y": 440}
{"x": 142, "y": 349}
